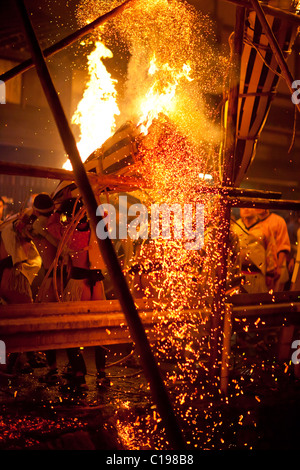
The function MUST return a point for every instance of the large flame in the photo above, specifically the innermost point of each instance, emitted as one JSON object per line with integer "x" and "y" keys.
{"x": 160, "y": 96}
{"x": 97, "y": 110}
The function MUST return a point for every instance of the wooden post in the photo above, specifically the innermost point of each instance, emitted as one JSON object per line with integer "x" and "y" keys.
{"x": 233, "y": 100}
{"x": 222, "y": 235}
{"x": 22, "y": 169}
{"x": 67, "y": 41}
{"x": 274, "y": 46}
{"x": 111, "y": 181}
{"x": 279, "y": 204}
{"x": 226, "y": 349}
{"x": 137, "y": 331}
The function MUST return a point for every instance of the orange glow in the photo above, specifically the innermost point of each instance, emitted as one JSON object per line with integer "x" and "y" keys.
{"x": 160, "y": 98}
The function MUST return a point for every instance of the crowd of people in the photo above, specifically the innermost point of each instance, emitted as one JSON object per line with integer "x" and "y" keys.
{"x": 48, "y": 253}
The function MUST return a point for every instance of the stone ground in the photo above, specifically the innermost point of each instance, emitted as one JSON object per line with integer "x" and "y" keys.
{"x": 260, "y": 412}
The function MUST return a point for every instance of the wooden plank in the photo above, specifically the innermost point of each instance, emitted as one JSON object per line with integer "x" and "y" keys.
{"x": 263, "y": 298}
{"x": 59, "y": 308}
{"x": 70, "y": 338}
{"x": 258, "y": 317}
{"x": 63, "y": 334}
{"x": 283, "y": 309}
{"x": 29, "y": 327}
{"x": 280, "y": 204}
{"x": 59, "y": 331}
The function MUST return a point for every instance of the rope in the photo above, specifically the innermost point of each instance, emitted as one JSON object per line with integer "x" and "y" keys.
{"x": 250, "y": 43}
{"x": 294, "y": 130}
{"x": 66, "y": 236}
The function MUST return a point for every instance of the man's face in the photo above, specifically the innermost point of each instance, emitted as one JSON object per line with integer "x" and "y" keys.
{"x": 247, "y": 212}
{"x": 261, "y": 213}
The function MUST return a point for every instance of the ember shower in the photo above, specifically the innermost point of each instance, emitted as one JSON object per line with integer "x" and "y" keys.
{"x": 173, "y": 67}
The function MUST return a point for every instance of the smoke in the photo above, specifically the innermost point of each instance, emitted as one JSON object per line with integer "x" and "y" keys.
{"x": 175, "y": 33}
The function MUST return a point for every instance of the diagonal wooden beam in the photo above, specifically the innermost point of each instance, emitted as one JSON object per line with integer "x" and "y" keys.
{"x": 137, "y": 331}
{"x": 21, "y": 169}
{"x": 67, "y": 41}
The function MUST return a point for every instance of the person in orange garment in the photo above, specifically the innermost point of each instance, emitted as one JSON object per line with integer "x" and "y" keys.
{"x": 276, "y": 224}
{"x": 257, "y": 251}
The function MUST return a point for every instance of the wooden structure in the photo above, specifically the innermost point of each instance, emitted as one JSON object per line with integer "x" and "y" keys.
{"x": 42, "y": 326}
{"x": 252, "y": 88}
{"x": 49, "y": 325}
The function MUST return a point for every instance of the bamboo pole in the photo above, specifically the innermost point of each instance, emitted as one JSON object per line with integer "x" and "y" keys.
{"x": 67, "y": 41}
{"x": 260, "y": 203}
{"x": 226, "y": 349}
{"x": 138, "y": 334}
{"x": 20, "y": 169}
{"x": 285, "y": 72}
{"x": 235, "y": 196}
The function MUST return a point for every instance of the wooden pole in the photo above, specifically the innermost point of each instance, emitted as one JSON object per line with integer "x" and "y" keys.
{"x": 21, "y": 169}
{"x": 137, "y": 331}
{"x": 222, "y": 235}
{"x": 67, "y": 41}
{"x": 226, "y": 349}
{"x": 249, "y": 193}
{"x": 260, "y": 203}
{"x": 233, "y": 100}
{"x": 274, "y": 47}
